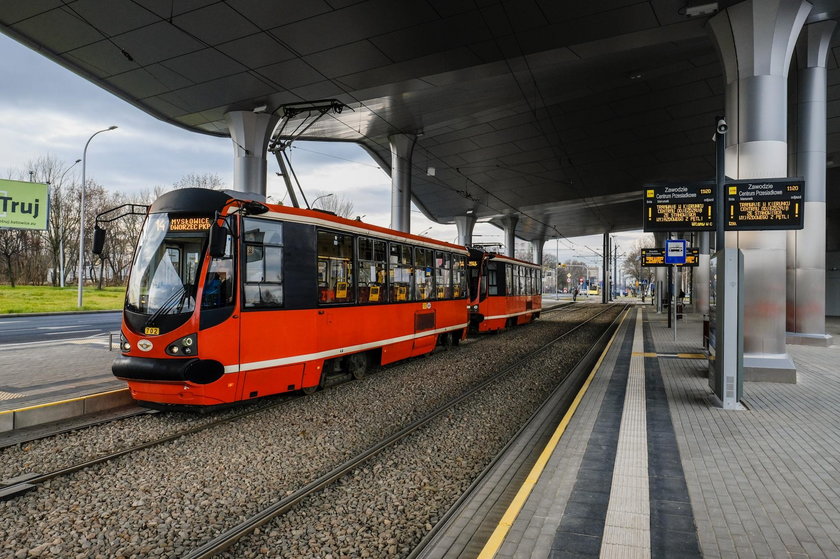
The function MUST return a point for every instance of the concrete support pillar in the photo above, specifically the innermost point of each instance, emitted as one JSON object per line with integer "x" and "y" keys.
{"x": 465, "y": 225}
{"x": 661, "y": 273}
{"x": 402, "y": 148}
{"x": 700, "y": 283}
{"x": 806, "y": 248}
{"x": 510, "y": 222}
{"x": 537, "y": 246}
{"x": 250, "y": 133}
{"x": 756, "y": 39}
{"x": 605, "y": 267}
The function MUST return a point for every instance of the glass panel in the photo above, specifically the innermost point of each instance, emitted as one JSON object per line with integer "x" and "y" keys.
{"x": 335, "y": 268}
{"x": 263, "y": 263}
{"x": 263, "y": 231}
{"x": 164, "y": 274}
{"x": 459, "y": 276}
{"x": 400, "y": 273}
{"x": 443, "y": 275}
{"x": 423, "y": 274}
{"x": 218, "y": 285}
{"x": 372, "y": 271}
{"x": 492, "y": 278}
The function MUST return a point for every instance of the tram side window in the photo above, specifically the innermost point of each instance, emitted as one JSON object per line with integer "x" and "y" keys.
{"x": 529, "y": 281}
{"x": 509, "y": 279}
{"x": 443, "y": 275}
{"x": 372, "y": 264}
{"x": 423, "y": 281}
{"x": 459, "y": 276}
{"x": 263, "y": 263}
{"x": 400, "y": 266}
{"x": 520, "y": 272}
{"x": 492, "y": 278}
{"x": 335, "y": 268}
{"x": 218, "y": 285}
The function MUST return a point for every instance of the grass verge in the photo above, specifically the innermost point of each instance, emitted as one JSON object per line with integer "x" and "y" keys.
{"x": 30, "y": 298}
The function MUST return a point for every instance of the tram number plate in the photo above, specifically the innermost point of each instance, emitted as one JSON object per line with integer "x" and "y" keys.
{"x": 152, "y": 331}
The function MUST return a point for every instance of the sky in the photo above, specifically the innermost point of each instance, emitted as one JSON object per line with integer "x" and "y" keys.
{"x": 48, "y": 110}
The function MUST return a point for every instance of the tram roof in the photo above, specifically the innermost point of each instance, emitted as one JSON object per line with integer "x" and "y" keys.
{"x": 557, "y": 112}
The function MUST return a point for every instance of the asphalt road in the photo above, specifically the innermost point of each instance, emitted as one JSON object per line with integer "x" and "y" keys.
{"x": 51, "y": 328}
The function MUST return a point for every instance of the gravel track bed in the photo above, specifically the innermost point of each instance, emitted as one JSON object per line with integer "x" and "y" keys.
{"x": 164, "y": 501}
{"x": 386, "y": 507}
{"x": 66, "y": 449}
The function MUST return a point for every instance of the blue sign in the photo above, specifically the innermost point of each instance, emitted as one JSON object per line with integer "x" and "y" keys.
{"x": 675, "y": 251}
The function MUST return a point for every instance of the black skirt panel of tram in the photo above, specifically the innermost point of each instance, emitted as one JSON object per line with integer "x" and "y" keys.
{"x": 300, "y": 273}
{"x": 198, "y": 371}
{"x": 213, "y": 317}
{"x": 165, "y": 323}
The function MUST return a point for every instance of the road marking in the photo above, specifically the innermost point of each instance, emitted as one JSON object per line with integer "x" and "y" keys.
{"x": 73, "y": 332}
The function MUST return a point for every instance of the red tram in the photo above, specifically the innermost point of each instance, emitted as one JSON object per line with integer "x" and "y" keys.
{"x": 231, "y": 299}
{"x": 504, "y": 291}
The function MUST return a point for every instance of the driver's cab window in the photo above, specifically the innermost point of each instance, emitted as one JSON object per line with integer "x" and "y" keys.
{"x": 218, "y": 284}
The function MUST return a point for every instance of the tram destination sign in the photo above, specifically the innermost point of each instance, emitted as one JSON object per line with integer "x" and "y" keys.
{"x": 764, "y": 204}
{"x": 652, "y": 257}
{"x": 679, "y": 207}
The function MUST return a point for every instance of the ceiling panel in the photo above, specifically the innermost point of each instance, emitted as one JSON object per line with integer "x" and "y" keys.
{"x": 555, "y": 111}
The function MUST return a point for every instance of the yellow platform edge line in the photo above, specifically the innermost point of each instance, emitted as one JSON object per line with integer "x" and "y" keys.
{"x": 89, "y": 396}
{"x": 498, "y": 536}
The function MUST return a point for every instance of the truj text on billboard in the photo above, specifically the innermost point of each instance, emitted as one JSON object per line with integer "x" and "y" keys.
{"x": 23, "y": 205}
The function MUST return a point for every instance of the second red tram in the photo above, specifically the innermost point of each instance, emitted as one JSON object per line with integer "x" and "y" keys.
{"x": 504, "y": 291}
{"x": 231, "y": 299}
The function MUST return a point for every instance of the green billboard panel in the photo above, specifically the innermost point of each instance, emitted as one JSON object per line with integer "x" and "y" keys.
{"x": 23, "y": 205}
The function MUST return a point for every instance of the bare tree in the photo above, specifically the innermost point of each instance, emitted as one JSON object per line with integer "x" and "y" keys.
{"x": 337, "y": 203}
{"x": 12, "y": 243}
{"x": 632, "y": 265}
{"x": 207, "y": 180}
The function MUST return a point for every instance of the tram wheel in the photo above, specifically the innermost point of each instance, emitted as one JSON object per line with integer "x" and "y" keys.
{"x": 312, "y": 389}
{"x": 357, "y": 365}
{"x": 446, "y": 340}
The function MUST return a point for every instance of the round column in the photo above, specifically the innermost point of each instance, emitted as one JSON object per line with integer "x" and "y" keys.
{"x": 402, "y": 148}
{"x": 756, "y": 41}
{"x": 510, "y": 234}
{"x": 806, "y": 248}
{"x": 250, "y": 133}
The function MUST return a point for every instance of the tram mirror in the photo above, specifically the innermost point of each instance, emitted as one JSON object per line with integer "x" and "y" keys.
{"x": 218, "y": 240}
{"x": 98, "y": 239}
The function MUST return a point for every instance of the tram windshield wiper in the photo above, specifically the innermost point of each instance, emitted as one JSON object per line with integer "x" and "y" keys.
{"x": 168, "y": 305}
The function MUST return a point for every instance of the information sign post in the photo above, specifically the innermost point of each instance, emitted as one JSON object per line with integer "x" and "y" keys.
{"x": 675, "y": 252}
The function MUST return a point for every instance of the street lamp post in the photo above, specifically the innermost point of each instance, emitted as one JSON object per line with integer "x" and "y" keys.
{"x": 82, "y": 215}
{"x": 322, "y": 196}
{"x": 61, "y": 226}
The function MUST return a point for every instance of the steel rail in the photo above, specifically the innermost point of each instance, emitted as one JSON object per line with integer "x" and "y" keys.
{"x": 229, "y": 537}
{"x": 26, "y": 482}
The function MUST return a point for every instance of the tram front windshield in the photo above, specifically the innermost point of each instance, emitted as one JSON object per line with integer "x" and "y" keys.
{"x": 165, "y": 271}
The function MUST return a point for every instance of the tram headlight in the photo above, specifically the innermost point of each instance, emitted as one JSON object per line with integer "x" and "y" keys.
{"x": 188, "y": 345}
{"x": 125, "y": 345}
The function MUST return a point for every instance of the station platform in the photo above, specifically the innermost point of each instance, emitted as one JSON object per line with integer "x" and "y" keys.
{"x": 43, "y": 382}
{"x": 645, "y": 465}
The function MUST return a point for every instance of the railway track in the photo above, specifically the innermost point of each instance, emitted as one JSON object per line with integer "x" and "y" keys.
{"x": 228, "y": 538}
{"x": 24, "y": 482}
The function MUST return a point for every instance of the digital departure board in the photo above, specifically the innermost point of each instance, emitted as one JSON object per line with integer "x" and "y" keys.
{"x": 189, "y": 223}
{"x": 764, "y": 204}
{"x": 679, "y": 207}
{"x": 656, "y": 257}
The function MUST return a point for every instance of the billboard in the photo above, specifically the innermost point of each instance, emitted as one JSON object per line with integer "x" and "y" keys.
{"x": 24, "y": 205}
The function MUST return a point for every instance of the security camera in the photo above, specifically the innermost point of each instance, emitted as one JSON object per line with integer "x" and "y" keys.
{"x": 721, "y": 126}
